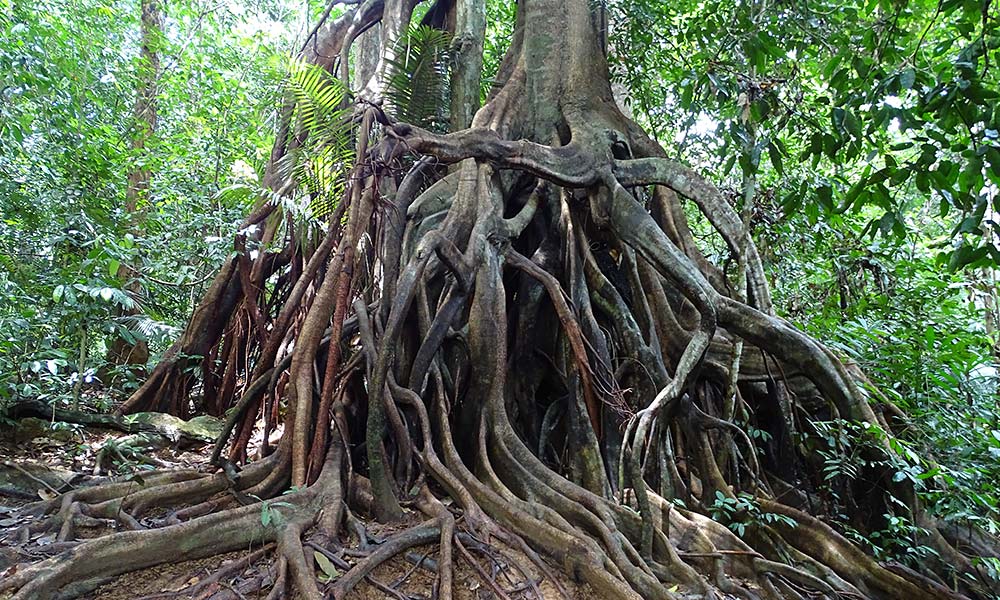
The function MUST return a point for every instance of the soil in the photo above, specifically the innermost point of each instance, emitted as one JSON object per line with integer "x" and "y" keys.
{"x": 170, "y": 580}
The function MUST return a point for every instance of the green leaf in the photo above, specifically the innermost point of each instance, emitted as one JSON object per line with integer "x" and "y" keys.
{"x": 928, "y": 474}
{"x": 113, "y": 268}
{"x": 852, "y": 124}
{"x": 965, "y": 255}
{"x": 837, "y": 116}
{"x": 57, "y": 293}
{"x": 775, "y": 156}
{"x": 923, "y": 182}
{"x": 824, "y": 195}
{"x": 816, "y": 144}
{"x": 907, "y": 78}
{"x": 970, "y": 224}
{"x": 330, "y": 572}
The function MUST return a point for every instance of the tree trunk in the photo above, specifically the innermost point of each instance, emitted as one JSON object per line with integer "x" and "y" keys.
{"x": 122, "y": 352}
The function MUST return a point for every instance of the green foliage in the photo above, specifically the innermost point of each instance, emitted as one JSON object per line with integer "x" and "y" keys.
{"x": 270, "y": 515}
{"x": 500, "y": 19}
{"x": 920, "y": 333}
{"x": 70, "y": 72}
{"x": 849, "y": 447}
{"x": 417, "y": 84}
{"x": 863, "y": 106}
{"x": 870, "y": 130}
{"x": 125, "y": 455}
{"x": 319, "y": 150}
{"x": 318, "y": 167}
{"x": 743, "y": 511}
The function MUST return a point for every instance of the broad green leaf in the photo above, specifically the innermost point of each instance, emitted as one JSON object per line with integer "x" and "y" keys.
{"x": 775, "y": 156}
{"x": 330, "y": 572}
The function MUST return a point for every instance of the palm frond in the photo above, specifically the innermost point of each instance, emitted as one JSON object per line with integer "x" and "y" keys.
{"x": 313, "y": 171}
{"x": 318, "y": 167}
{"x": 145, "y": 327}
{"x": 239, "y": 194}
{"x": 417, "y": 80}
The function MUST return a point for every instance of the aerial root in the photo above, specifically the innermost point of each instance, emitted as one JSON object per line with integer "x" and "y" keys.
{"x": 399, "y": 543}
{"x": 294, "y": 557}
{"x": 821, "y": 542}
{"x": 434, "y": 508}
{"x": 224, "y": 572}
{"x": 91, "y": 507}
{"x": 278, "y": 590}
{"x": 643, "y": 546}
{"x": 686, "y": 543}
{"x": 440, "y": 527}
{"x": 483, "y": 576}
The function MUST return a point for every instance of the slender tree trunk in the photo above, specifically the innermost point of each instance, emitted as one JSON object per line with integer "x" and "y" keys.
{"x": 81, "y": 366}
{"x": 467, "y": 61}
{"x": 144, "y": 121}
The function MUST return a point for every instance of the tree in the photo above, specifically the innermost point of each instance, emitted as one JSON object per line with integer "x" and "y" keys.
{"x": 123, "y": 352}
{"x": 514, "y": 315}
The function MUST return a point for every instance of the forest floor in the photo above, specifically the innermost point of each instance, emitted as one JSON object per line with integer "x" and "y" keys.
{"x": 41, "y": 459}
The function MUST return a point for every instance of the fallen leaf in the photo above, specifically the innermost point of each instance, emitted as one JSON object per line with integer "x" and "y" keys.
{"x": 324, "y": 563}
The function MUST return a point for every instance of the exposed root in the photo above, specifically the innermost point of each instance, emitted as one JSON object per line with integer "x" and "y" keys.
{"x": 95, "y": 560}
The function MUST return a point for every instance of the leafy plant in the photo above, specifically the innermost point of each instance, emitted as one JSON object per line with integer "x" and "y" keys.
{"x": 739, "y": 512}
{"x": 270, "y": 515}
{"x": 417, "y": 83}
{"x": 318, "y": 167}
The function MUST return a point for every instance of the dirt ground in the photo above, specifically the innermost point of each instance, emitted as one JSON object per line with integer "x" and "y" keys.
{"x": 39, "y": 461}
{"x": 399, "y": 574}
